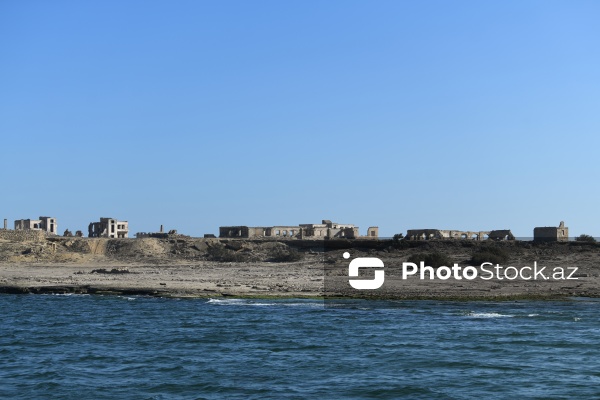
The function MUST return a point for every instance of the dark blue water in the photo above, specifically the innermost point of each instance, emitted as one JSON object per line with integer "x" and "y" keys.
{"x": 76, "y": 347}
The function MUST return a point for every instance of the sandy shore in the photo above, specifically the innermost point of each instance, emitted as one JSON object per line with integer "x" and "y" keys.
{"x": 300, "y": 279}
{"x": 180, "y": 279}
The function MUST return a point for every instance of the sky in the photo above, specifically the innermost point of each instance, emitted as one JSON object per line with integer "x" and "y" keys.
{"x": 467, "y": 115}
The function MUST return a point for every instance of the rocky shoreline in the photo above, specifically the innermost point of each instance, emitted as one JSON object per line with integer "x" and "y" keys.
{"x": 209, "y": 268}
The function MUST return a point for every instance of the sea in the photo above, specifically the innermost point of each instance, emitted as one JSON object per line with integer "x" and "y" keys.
{"x": 118, "y": 347}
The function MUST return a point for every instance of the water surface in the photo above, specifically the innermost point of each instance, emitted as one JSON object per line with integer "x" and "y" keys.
{"x": 103, "y": 347}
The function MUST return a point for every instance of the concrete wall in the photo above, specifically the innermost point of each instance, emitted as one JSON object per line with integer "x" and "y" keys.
{"x": 233, "y": 231}
{"x": 314, "y": 231}
{"x": 551, "y": 234}
{"x": 258, "y": 231}
{"x": 122, "y": 229}
{"x": 27, "y": 224}
{"x": 49, "y": 225}
{"x": 343, "y": 232}
{"x": 289, "y": 232}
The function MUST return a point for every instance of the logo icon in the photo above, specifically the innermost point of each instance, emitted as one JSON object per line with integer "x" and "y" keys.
{"x": 365, "y": 262}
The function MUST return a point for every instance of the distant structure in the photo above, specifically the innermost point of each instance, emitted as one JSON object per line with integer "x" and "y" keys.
{"x": 373, "y": 232}
{"x": 108, "y": 228}
{"x": 68, "y": 233}
{"x": 551, "y": 233}
{"x": 325, "y": 230}
{"x": 45, "y": 224}
{"x": 5, "y": 224}
{"x": 160, "y": 235}
{"x": 440, "y": 234}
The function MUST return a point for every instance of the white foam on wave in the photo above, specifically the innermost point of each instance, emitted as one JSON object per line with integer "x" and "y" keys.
{"x": 225, "y": 301}
{"x": 128, "y": 298}
{"x": 261, "y": 303}
{"x": 66, "y": 294}
{"x": 310, "y": 305}
{"x": 489, "y": 315}
{"x": 238, "y": 302}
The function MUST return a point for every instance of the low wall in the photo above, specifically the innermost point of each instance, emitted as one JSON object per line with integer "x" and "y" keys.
{"x": 22, "y": 236}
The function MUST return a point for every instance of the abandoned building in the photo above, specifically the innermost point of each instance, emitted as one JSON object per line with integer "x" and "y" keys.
{"x": 108, "y": 228}
{"x": 45, "y": 224}
{"x": 256, "y": 232}
{"x": 439, "y": 234}
{"x": 325, "y": 230}
{"x": 161, "y": 234}
{"x": 551, "y": 233}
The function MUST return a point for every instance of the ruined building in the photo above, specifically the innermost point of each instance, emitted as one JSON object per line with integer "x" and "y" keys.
{"x": 257, "y": 232}
{"x": 551, "y": 233}
{"x": 108, "y": 228}
{"x": 45, "y": 224}
{"x": 429, "y": 234}
{"x": 325, "y": 230}
{"x": 161, "y": 234}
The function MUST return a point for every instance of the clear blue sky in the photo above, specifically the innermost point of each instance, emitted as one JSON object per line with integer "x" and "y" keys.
{"x": 403, "y": 114}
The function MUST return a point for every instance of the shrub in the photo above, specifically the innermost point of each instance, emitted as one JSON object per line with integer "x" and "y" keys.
{"x": 491, "y": 254}
{"x": 434, "y": 259}
{"x": 398, "y": 241}
{"x": 222, "y": 254}
{"x": 585, "y": 238}
{"x": 285, "y": 255}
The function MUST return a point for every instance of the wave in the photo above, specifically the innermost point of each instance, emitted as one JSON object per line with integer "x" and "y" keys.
{"x": 127, "y": 298}
{"x": 488, "y": 315}
{"x": 263, "y": 303}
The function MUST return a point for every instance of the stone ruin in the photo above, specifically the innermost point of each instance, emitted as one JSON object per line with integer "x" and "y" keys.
{"x": 44, "y": 224}
{"x": 551, "y": 233}
{"x": 440, "y": 234}
{"x": 325, "y": 230}
{"x": 108, "y": 228}
{"x": 160, "y": 235}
